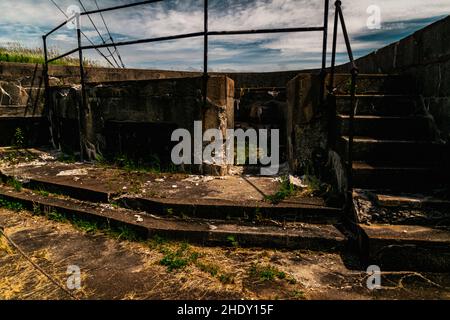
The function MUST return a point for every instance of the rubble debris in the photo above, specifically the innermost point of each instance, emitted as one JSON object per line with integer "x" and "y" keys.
{"x": 74, "y": 172}
{"x": 198, "y": 179}
{"x": 297, "y": 182}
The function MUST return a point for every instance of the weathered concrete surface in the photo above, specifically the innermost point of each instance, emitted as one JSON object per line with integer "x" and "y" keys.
{"x": 203, "y": 231}
{"x": 137, "y": 118}
{"x": 165, "y": 194}
{"x": 113, "y": 269}
{"x": 22, "y": 90}
{"x": 69, "y": 75}
{"x": 307, "y": 129}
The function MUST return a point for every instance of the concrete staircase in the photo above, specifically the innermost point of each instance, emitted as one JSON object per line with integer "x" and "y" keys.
{"x": 396, "y": 155}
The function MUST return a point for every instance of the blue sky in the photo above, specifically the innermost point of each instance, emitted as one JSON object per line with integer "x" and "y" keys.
{"x": 25, "y": 21}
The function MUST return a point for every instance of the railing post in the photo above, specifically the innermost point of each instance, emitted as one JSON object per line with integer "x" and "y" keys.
{"x": 205, "y": 55}
{"x": 323, "y": 72}
{"x": 346, "y": 37}
{"x": 333, "y": 55}
{"x": 47, "y": 103}
{"x": 83, "y": 101}
{"x": 45, "y": 72}
{"x": 351, "y": 134}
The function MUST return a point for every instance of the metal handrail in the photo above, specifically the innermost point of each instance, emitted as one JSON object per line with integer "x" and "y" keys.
{"x": 205, "y": 33}
{"x": 339, "y": 17}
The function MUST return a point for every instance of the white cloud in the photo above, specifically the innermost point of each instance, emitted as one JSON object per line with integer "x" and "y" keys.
{"x": 288, "y": 51}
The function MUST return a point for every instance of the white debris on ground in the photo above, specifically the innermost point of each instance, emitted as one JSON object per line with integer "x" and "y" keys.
{"x": 160, "y": 180}
{"x": 297, "y": 182}
{"x": 198, "y": 179}
{"x": 107, "y": 206}
{"x": 73, "y": 172}
{"x": 138, "y": 218}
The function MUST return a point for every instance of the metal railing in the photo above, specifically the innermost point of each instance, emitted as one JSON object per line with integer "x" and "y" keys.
{"x": 206, "y": 33}
{"x": 339, "y": 17}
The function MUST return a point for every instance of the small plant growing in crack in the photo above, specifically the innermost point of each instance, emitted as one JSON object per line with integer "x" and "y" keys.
{"x": 16, "y": 184}
{"x": 232, "y": 241}
{"x": 19, "y": 139}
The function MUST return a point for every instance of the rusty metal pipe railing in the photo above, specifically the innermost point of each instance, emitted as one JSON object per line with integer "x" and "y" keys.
{"x": 339, "y": 17}
{"x": 205, "y": 34}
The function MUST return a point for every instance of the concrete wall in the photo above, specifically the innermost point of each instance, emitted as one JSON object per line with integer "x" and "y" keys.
{"x": 22, "y": 91}
{"x": 425, "y": 55}
{"x": 306, "y": 123}
{"x": 137, "y": 118}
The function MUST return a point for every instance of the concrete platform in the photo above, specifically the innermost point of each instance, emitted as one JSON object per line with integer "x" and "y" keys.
{"x": 239, "y": 197}
{"x": 205, "y": 232}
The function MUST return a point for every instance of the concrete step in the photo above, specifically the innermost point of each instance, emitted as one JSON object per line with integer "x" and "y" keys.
{"x": 399, "y": 208}
{"x": 251, "y": 210}
{"x": 388, "y": 127}
{"x": 395, "y": 177}
{"x": 413, "y": 201}
{"x": 229, "y": 210}
{"x": 375, "y": 84}
{"x": 394, "y": 151}
{"x": 205, "y": 232}
{"x": 405, "y": 247}
{"x": 381, "y": 105}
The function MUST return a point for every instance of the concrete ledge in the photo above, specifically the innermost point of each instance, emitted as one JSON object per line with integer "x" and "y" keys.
{"x": 205, "y": 232}
{"x": 403, "y": 247}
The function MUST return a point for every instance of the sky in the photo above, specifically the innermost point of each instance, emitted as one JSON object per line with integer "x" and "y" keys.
{"x": 25, "y": 21}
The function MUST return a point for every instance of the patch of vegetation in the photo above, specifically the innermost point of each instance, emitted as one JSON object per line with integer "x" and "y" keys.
{"x": 157, "y": 242}
{"x": 15, "y": 52}
{"x": 44, "y": 193}
{"x": 85, "y": 225}
{"x": 56, "y": 216}
{"x": 14, "y": 183}
{"x": 178, "y": 259}
{"x": 226, "y": 278}
{"x": 11, "y": 205}
{"x": 298, "y": 295}
{"x": 232, "y": 241}
{"x": 286, "y": 190}
{"x": 151, "y": 164}
{"x": 212, "y": 269}
{"x": 124, "y": 232}
{"x": 19, "y": 141}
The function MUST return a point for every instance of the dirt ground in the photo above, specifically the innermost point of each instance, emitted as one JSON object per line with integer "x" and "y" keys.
{"x": 115, "y": 269}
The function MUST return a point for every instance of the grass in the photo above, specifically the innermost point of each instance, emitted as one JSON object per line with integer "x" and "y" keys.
{"x": 44, "y": 193}
{"x": 232, "y": 241}
{"x": 178, "y": 259}
{"x": 10, "y": 205}
{"x": 286, "y": 190}
{"x": 266, "y": 272}
{"x": 19, "y": 140}
{"x": 14, "y": 183}
{"x": 120, "y": 232}
{"x": 15, "y": 52}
